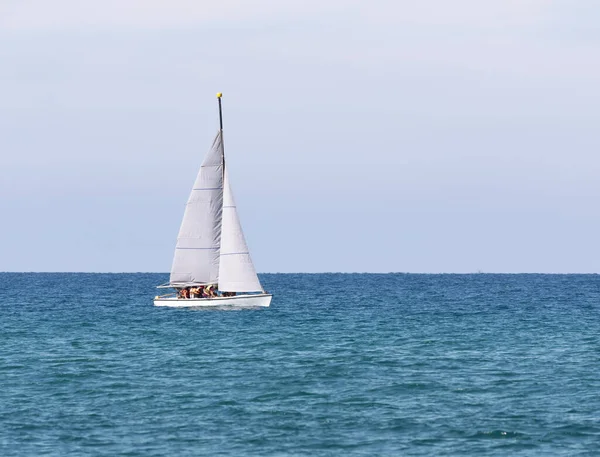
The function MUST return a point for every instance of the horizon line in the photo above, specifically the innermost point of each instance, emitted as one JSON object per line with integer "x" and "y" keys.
{"x": 317, "y": 273}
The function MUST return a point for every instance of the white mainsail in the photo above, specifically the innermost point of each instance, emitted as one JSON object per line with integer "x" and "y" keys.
{"x": 196, "y": 259}
{"x": 236, "y": 270}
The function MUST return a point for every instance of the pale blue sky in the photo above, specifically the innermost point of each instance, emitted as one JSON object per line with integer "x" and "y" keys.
{"x": 361, "y": 136}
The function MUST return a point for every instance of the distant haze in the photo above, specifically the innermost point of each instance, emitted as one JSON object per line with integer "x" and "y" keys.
{"x": 428, "y": 136}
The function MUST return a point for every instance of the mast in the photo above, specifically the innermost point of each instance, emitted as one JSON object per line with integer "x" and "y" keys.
{"x": 219, "y": 95}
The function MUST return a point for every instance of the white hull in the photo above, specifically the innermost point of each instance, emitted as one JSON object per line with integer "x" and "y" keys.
{"x": 239, "y": 301}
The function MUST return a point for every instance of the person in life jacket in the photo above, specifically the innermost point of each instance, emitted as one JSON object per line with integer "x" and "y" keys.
{"x": 184, "y": 293}
{"x": 208, "y": 291}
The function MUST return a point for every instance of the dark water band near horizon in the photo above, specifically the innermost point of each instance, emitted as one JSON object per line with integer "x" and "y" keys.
{"x": 340, "y": 365}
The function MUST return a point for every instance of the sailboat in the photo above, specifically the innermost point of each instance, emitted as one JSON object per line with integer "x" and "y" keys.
{"x": 211, "y": 250}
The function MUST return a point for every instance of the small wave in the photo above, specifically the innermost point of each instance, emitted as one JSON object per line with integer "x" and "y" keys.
{"x": 497, "y": 434}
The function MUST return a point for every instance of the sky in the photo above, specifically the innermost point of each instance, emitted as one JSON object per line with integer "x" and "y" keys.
{"x": 380, "y": 136}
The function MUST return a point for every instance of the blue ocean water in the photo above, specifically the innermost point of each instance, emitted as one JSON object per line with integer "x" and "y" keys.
{"x": 340, "y": 365}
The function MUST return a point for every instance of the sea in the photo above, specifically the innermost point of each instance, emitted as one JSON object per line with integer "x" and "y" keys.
{"x": 339, "y": 365}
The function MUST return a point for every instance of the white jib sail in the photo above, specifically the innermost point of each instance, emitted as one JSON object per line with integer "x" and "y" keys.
{"x": 196, "y": 257}
{"x": 236, "y": 270}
